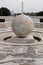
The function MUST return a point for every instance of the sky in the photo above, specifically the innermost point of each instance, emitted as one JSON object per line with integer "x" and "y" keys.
{"x": 28, "y": 5}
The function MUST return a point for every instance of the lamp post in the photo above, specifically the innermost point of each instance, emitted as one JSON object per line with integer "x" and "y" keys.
{"x": 22, "y": 8}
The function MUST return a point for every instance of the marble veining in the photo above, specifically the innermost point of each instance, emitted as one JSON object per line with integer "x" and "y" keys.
{"x": 12, "y": 54}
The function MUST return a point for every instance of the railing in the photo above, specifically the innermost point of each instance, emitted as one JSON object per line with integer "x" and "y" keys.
{"x": 7, "y": 18}
{"x": 37, "y": 23}
{"x": 37, "y": 17}
{"x": 11, "y": 17}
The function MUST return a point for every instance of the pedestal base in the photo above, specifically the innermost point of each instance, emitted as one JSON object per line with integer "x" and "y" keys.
{"x": 28, "y": 39}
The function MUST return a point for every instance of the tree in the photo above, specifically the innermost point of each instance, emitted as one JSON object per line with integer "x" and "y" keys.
{"x": 1, "y": 13}
{"x": 4, "y": 11}
{"x": 40, "y": 13}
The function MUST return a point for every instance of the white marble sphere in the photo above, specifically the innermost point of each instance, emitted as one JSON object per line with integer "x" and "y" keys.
{"x": 22, "y": 25}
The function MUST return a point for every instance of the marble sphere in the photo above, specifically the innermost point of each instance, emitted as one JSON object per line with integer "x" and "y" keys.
{"x": 22, "y": 25}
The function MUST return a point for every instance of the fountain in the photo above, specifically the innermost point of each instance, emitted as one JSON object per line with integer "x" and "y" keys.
{"x": 22, "y": 26}
{"x": 17, "y": 46}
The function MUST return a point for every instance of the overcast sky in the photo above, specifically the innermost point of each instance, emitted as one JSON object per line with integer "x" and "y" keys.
{"x": 28, "y": 5}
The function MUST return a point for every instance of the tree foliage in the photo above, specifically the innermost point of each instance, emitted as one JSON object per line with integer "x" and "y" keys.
{"x": 40, "y": 13}
{"x": 4, "y": 11}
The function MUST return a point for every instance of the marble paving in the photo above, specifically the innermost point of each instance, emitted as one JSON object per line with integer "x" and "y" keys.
{"x": 30, "y": 54}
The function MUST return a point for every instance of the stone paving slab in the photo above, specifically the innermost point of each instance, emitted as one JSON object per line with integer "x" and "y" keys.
{"x": 25, "y": 54}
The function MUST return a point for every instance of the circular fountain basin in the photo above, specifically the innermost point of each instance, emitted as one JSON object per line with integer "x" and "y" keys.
{"x": 10, "y": 38}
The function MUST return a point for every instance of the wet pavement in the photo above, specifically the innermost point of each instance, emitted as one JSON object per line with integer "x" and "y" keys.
{"x": 24, "y": 54}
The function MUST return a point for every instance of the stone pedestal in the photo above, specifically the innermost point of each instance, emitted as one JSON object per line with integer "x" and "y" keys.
{"x": 15, "y": 39}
